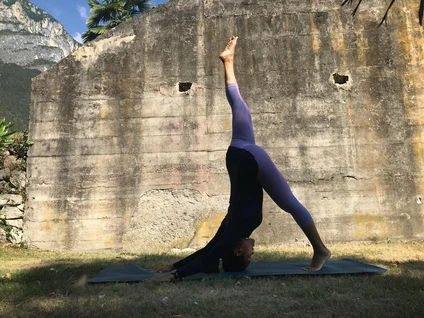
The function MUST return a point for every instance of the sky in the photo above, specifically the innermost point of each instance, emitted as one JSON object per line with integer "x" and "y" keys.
{"x": 71, "y": 13}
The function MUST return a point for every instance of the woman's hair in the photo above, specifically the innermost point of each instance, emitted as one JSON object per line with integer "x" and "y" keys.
{"x": 233, "y": 263}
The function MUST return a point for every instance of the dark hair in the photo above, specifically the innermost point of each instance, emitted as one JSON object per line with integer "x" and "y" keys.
{"x": 233, "y": 263}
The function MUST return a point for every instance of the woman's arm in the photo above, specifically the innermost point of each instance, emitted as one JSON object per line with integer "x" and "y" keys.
{"x": 208, "y": 260}
{"x": 197, "y": 254}
{"x": 205, "y": 249}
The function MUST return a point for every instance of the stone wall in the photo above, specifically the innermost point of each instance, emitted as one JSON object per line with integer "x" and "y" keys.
{"x": 12, "y": 196}
{"x": 130, "y": 131}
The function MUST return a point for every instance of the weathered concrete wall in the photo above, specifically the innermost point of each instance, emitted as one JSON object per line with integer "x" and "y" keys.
{"x": 123, "y": 159}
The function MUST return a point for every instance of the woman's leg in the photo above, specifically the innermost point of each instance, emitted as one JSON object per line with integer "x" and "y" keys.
{"x": 269, "y": 176}
{"x": 227, "y": 57}
{"x": 276, "y": 186}
{"x": 242, "y": 121}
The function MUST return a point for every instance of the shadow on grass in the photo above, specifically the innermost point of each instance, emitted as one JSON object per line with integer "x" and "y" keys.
{"x": 56, "y": 288}
{"x": 59, "y": 289}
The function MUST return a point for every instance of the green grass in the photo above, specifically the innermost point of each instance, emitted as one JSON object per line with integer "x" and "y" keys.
{"x": 36, "y": 274}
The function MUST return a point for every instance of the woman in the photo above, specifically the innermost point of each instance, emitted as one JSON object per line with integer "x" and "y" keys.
{"x": 250, "y": 170}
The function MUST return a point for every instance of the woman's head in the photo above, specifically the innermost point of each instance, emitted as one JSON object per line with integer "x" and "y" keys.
{"x": 237, "y": 259}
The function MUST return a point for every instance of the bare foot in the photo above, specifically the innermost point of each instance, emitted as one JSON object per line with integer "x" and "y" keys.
{"x": 230, "y": 48}
{"x": 318, "y": 260}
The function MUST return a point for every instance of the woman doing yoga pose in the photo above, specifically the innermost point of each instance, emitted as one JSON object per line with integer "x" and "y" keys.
{"x": 250, "y": 170}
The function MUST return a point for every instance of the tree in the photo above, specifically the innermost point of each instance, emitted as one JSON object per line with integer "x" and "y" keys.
{"x": 107, "y": 14}
{"x": 420, "y": 10}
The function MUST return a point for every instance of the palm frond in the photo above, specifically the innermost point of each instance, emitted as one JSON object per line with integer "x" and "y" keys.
{"x": 145, "y": 5}
{"x": 93, "y": 33}
{"x": 420, "y": 11}
{"x": 88, "y": 36}
{"x": 92, "y": 3}
{"x": 110, "y": 13}
{"x": 356, "y": 8}
{"x": 387, "y": 12}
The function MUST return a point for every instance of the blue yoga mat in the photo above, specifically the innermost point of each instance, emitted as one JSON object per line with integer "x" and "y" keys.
{"x": 134, "y": 273}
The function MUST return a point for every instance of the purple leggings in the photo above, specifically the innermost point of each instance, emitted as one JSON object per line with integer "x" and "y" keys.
{"x": 269, "y": 176}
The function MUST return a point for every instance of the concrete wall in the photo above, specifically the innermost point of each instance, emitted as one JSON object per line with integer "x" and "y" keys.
{"x": 123, "y": 159}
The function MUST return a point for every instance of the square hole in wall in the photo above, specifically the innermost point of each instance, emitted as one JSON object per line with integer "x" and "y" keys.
{"x": 340, "y": 79}
{"x": 184, "y": 86}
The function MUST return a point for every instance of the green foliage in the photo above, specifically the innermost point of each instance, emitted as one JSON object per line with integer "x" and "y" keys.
{"x": 17, "y": 144}
{"x": 7, "y": 228}
{"x": 32, "y": 11}
{"x": 9, "y": 2}
{"x": 6, "y": 135}
{"x": 20, "y": 145}
{"x": 40, "y": 62}
{"x": 13, "y": 33}
{"x": 107, "y": 14}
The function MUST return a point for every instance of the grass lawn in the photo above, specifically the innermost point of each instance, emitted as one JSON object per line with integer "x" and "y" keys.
{"x": 53, "y": 284}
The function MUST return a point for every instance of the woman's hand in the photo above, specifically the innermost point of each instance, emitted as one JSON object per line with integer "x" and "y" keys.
{"x": 168, "y": 277}
{"x": 163, "y": 269}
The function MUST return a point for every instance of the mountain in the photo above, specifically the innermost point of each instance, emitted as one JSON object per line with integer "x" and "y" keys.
{"x": 31, "y": 41}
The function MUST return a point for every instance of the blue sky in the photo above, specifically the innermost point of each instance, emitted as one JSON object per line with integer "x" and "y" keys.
{"x": 71, "y": 13}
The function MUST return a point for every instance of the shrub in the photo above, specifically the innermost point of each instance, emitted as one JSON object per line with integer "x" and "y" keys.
{"x": 20, "y": 145}
{"x": 6, "y": 135}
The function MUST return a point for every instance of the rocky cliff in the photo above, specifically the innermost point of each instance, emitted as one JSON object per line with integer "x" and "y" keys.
{"x": 30, "y": 42}
{"x": 30, "y": 37}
